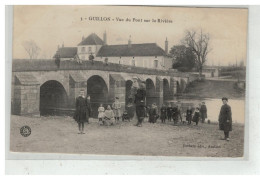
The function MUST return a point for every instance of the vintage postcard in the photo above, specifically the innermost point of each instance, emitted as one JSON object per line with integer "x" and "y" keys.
{"x": 129, "y": 80}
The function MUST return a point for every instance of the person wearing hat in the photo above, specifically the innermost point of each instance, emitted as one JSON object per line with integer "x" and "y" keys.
{"x": 196, "y": 116}
{"x": 140, "y": 103}
{"x": 116, "y": 106}
{"x": 225, "y": 118}
{"x": 80, "y": 113}
{"x": 203, "y": 112}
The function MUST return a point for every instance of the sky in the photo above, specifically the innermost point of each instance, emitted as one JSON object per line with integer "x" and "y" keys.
{"x": 50, "y": 26}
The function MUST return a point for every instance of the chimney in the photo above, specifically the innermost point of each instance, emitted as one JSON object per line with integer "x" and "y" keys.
{"x": 105, "y": 38}
{"x": 166, "y": 46}
{"x": 129, "y": 42}
{"x": 83, "y": 37}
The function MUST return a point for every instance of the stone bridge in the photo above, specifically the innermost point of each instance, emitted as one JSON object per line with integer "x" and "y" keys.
{"x": 40, "y": 86}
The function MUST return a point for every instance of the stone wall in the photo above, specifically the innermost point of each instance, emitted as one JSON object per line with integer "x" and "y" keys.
{"x": 74, "y": 77}
{"x": 26, "y": 99}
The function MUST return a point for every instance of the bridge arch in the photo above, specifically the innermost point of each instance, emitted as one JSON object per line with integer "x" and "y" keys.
{"x": 183, "y": 85}
{"x": 97, "y": 89}
{"x": 150, "y": 92}
{"x": 62, "y": 78}
{"x": 102, "y": 74}
{"x": 53, "y": 98}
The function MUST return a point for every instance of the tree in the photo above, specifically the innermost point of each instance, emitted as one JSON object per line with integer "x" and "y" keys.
{"x": 31, "y": 48}
{"x": 183, "y": 58}
{"x": 199, "y": 44}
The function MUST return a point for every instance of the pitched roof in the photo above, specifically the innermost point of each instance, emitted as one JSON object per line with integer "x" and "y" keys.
{"x": 66, "y": 52}
{"x": 145, "y": 49}
{"x": 92, "y": 39}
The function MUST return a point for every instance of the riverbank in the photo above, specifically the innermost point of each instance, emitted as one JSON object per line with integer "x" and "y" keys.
{"x": 213, "y": 89}
{"x": 59, "y": 135}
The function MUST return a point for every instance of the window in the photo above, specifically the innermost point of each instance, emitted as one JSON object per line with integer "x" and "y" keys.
{"x": 155, "y": 63}
{"x": 83, "y": 49}
{"x": 89, "y": 49}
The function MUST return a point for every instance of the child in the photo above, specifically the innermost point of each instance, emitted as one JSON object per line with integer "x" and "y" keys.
{"x": 189, "y": 115}
{"x": 109, "y": 116}
{"x": 125, "y": 116}
{"x": 203, "y": 112}
{"x": 163, "y": 113}
{"x": 169, "y": 112}
{"x": 196, "y": 116}
{"x": 175, "y": 114}
{"x": 101, "y": 113}
{"x": 116, "y": 106}
{"x": 153, "y": 113}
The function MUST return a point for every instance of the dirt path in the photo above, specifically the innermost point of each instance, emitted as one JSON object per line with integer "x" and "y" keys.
{"x": 58, "y": 134}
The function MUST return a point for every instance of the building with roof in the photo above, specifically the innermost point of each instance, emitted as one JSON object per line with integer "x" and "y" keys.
{"x": 147, "y": 55}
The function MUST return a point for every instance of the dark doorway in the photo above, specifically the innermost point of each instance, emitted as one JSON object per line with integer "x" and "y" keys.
{"x": 166, "y": 90}
{"x": 128, "y": 86}
{"x": 98, "y": 91}
{"x": 53, "y": 98}
{"x": 178, "y": 87}
{"x": 150, "y": 93}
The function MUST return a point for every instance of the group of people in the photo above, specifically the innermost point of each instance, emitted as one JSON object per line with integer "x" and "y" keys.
{"x": 174, "y": 113}
{"x": 110, "y": 116}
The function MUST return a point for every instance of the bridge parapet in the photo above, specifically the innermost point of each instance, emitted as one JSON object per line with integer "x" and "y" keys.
{"x": 23, "y": 65}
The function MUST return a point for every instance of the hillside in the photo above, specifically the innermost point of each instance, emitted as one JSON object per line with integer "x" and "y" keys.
{"x": 213, "y": 89}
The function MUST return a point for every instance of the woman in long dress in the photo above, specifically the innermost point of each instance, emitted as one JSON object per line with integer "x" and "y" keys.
{"x": 117, "y": 106}
{"x": 80, "y": 113}
{"x": 225, "y": 118}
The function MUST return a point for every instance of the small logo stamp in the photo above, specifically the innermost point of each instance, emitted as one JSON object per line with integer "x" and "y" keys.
{"x": 25, "y": 131}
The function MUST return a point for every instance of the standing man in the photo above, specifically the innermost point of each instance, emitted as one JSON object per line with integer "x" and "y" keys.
{"x": 169, "y": 112}
{"x": 140, "y": 104}
{"x": 80, "y": 114}
{"x": 163, "y": 113}
{"x": 203, "y": 112}
{"x": 225, "y": 118}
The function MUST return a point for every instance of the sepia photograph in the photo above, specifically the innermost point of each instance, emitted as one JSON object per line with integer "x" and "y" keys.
{"x": 129, "y": 80}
